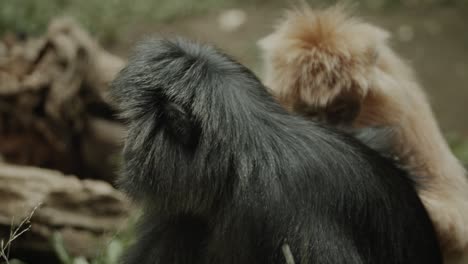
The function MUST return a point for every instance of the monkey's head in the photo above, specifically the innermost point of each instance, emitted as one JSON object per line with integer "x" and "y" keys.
{"x": 187, "y": 107}
{"x": 321, "y": 62}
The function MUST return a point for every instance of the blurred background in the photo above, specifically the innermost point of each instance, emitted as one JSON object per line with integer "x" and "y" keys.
{"x": 59, "y": 139}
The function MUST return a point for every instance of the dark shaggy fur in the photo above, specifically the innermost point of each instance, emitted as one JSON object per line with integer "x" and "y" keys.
{"x": 227, "y": 176}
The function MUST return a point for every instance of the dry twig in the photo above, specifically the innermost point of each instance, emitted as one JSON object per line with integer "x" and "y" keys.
{"x": 20, "y": 229}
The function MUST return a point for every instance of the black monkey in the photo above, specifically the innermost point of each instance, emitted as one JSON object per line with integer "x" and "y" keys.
{"x": 226, "y": 175}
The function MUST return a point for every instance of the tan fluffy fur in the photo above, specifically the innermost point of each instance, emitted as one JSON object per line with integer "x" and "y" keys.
{"x": 316, "y": 58}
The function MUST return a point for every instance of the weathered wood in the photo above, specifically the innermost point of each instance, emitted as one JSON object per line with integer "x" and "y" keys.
{"x": 52, "y": 89}
{"x": 85, "y": 212}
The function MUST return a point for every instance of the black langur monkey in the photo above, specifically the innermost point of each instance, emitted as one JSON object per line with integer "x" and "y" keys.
{"x": 226, "y": 175}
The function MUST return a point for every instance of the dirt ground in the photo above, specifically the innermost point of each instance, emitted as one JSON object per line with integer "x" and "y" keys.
{"x": 435, "y": 42}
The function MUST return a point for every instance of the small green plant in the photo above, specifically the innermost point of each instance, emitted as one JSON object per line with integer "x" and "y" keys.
{"x": 459, "y": 146}
{"x": 109, "y": 254}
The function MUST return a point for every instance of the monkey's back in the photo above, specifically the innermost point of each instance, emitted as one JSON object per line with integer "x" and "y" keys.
{"x": 332, "y": 200}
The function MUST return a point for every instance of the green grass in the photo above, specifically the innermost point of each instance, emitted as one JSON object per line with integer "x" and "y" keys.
{"x": 107, "y": 18}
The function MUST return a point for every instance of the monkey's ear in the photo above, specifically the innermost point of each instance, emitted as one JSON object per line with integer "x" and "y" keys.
{"x": 181, "y": 125}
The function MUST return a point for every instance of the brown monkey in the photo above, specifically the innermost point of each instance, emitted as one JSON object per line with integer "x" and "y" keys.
{"x": 325, "y": 64}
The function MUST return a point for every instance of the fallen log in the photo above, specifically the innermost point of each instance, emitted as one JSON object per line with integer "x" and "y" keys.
{"x": 52, "y": 89}
{"x": 86, "y": 213}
